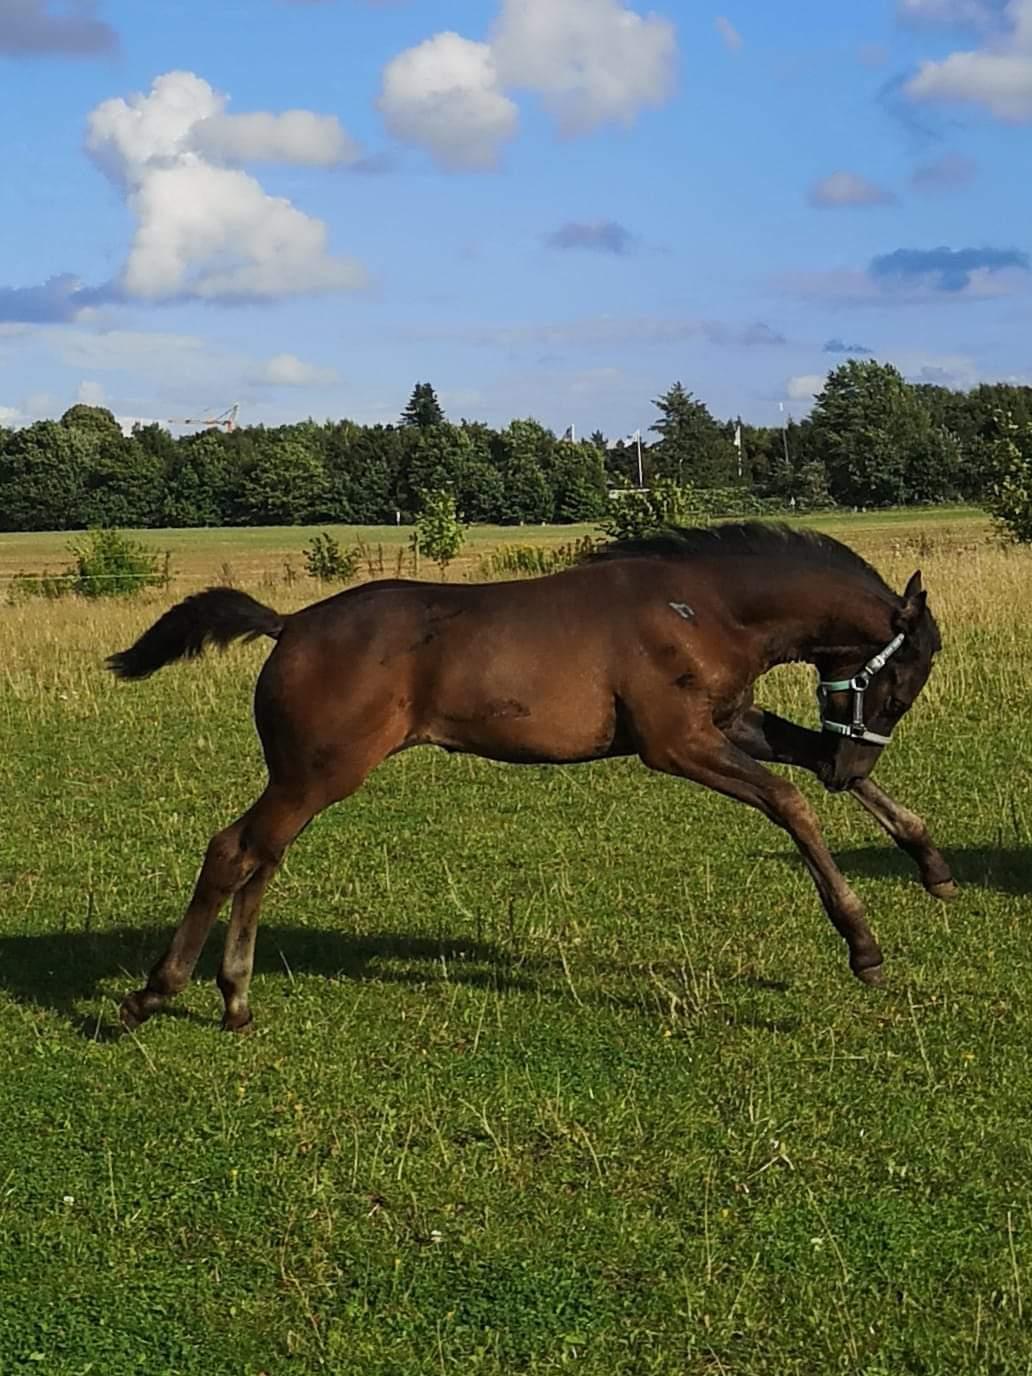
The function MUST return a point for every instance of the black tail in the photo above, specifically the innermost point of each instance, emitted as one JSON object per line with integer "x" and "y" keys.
{"x": 213, "y": 617}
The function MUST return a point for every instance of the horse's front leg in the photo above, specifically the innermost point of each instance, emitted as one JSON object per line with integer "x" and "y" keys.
{"x": 765, "y": 736}
{"x": 710, "y": 758}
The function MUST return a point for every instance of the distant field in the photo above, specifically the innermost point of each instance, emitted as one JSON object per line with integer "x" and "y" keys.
{"x": 263, "y": 554}
{"x": 554, "y": 1070}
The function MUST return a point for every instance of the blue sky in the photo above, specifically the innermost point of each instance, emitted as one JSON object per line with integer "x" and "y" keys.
{"x": 545, "y": 207}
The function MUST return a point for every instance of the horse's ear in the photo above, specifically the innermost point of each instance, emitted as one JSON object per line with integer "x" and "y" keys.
{"x": 914, "y": 601}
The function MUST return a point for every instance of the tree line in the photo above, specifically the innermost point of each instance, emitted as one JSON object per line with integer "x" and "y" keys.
{"x": 871, "y": 440}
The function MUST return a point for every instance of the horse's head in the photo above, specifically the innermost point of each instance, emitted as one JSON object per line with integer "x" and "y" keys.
{"x": 862, "y": 705}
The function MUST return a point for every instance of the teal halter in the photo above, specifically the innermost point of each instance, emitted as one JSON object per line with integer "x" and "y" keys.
{"x": 858, "y": 685}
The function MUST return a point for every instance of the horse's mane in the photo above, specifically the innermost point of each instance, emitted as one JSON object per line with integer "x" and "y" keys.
{"x": 771, "y": 541}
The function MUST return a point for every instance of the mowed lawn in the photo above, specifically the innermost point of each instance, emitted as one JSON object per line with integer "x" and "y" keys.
{"x": 553, "y": 1070}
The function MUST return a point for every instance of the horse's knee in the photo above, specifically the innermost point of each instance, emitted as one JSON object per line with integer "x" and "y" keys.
{"x": 228, "y": 862}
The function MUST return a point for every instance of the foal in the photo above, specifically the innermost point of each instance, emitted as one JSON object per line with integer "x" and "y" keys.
{"x": 651, "y": 647}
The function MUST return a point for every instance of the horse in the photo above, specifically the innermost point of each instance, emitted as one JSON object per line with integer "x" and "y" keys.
{"x": 647, "y": 647}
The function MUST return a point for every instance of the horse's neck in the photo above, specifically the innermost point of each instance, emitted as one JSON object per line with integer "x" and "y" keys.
{"x": 813, "y": 618}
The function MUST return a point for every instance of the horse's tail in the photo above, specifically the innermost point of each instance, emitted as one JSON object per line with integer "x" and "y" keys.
{"x": 216, "y": 616}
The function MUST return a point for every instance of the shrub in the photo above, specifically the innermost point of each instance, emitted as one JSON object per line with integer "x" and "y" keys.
{"x": 531, "y": 561}
{"x": 439, "y": 534}
{"x": 109, "y": 564}
{"x": 329, "y": 562}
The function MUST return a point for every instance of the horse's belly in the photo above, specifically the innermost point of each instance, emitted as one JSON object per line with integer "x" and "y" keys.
{"x": 518, "y": 732}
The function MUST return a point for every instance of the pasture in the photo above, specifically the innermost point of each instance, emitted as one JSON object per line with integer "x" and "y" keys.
{"x": 553, "y": 1069}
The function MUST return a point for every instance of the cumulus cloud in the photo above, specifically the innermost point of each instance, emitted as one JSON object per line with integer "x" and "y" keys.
{"x": 997, "y": 75}
{"x": 589, "y": 61}
{"x": 732, "y": 38}
{"x": 204, "y": 230}
{"x": 598, "y": 236}
{"x": 287, "y": 370}
{"x": 445, "y": 96}
{"x": 295, "y": 136}
{"x": 848, "y": 189}
{"x": 30, "y": 28}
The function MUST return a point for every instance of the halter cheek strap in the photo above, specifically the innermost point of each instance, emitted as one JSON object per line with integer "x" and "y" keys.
{"x": 858, "y": 685}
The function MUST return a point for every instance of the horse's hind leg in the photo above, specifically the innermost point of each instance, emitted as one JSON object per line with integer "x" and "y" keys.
{"x": 241, "y": 853}
{"x": 765, "y": 736}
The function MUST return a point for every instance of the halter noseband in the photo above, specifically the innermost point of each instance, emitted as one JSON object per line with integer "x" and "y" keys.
{"x": 856, "y": 729}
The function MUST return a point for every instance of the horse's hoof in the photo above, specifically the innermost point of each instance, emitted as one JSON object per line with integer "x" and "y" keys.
{"x": 132, "y": 1012}
{"x": 241, "y": 1021}
{"x": 948, "y": 889}
{"x": 873, "y": 975}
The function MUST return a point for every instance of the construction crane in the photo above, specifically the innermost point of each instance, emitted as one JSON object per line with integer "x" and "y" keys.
{"x": 225, "y": 420}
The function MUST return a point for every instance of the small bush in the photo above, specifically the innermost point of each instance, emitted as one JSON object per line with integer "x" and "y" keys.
{"x": 49, "y": 586}
{"x": 109, "y": 564}
{"x": 439, "y": 534}
{"x": 329, "y": 562}
{"x": 532, "y": 561}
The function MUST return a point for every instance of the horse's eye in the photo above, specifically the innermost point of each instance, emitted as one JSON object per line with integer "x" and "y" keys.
{"x": 896, "y": 707}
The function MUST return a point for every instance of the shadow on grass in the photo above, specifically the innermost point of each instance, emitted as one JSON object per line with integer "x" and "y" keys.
{"x": 60, "y": 970}
{"x": 1005, "y": 869}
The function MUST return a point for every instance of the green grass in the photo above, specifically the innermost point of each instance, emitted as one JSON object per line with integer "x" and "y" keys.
{"x": 263, "y": 553}
{"x": 553, "y": 1070}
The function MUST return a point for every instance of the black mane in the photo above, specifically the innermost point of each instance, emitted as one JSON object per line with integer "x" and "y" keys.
{"x": 735, "y": 540}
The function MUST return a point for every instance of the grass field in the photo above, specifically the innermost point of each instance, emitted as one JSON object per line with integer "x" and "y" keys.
{"x": 553, "y": 1069}
{"x": 275, "y": 554}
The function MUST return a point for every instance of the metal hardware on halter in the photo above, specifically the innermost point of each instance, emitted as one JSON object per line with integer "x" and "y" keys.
{"x": 858, "y": 685}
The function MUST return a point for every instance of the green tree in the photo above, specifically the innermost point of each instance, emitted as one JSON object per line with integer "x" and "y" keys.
{"x": 423, "y": 409}
{"x": 528, "y": 495}
{"x": 578, "y": 482}
{"x": 43, "y": 470}
{"x": 693, "y": 447}
{"x": 197, "y": 487}
{"x": 1010, "y": 498}
{"x": 286, "y": 484}
{"x": 877, "y": 440}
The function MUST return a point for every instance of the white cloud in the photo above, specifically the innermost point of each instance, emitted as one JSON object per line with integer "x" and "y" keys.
{"x": 591, "y": 62}
{"x": 445, "y": 96}
{"x": 805, "y": 387}
{"x": 9, "y": 415}
{"x": 204, "y": 230}
{"x": 287, "y": 370}
{"x": 295, "y": 136}
{"x": 848, "y": 189}
{"x": 998, "y": 75}
{"x": 732, "y": 38}
{"x": 1002, "y": 82}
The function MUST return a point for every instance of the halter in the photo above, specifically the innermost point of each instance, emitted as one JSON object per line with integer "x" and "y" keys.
{"x": 858, "y": 685}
